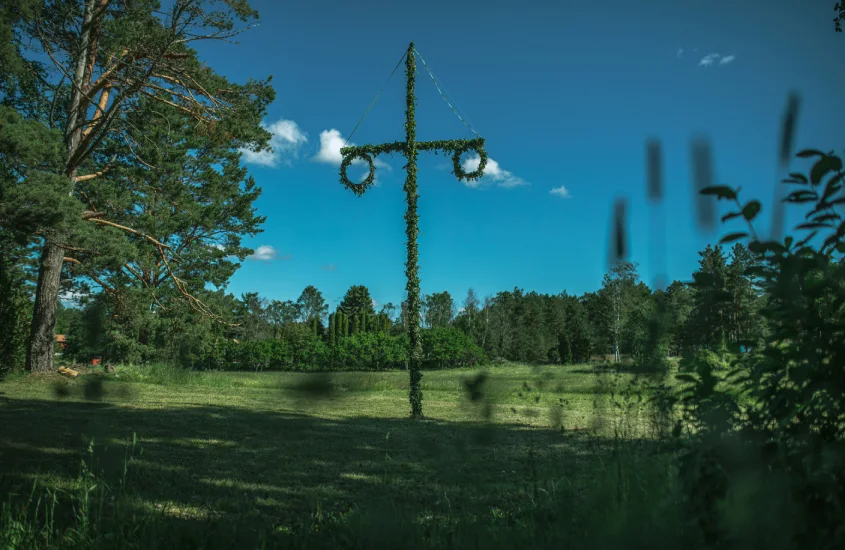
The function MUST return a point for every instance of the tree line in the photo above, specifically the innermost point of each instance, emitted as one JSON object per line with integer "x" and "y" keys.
{"x": 718, "y": 309}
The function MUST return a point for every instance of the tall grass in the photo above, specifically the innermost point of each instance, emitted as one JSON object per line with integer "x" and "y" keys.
{"x": 632, "y": 502}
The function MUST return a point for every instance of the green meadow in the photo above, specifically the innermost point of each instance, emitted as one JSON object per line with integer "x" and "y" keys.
{"x": 511, "y": 455}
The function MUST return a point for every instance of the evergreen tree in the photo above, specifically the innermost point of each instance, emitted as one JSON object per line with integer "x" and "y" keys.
{"x": 112, "y": 67}
{"x": 332, "y": 330}
{"x": 579, "y": 331}
{"x": 15, "y": 306}
{"x": 565, "y": 351}
{"x": 357, "y": 300}
{"x": 745, "y": 327}
{"x": 708, "y": 322}
{"x": 198, "y": 202}
{"x": 680, "y": 302}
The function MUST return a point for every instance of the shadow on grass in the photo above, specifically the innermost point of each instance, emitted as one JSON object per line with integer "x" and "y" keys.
{"x": 227, "y": 474}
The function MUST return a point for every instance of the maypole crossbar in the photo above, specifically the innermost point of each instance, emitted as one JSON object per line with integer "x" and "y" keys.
{"x": 409, "y": 148}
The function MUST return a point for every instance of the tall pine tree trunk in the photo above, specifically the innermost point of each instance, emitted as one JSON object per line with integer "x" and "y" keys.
{"x": 39, "y": 355}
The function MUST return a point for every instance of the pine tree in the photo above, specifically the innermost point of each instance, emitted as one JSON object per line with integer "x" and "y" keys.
{"x": 565, "y": 350}
{"x": 357, "y": 300}
{"x": 332, "y": 329}
{"x": 101, "y": 92}
{"x": 708, "y": 324}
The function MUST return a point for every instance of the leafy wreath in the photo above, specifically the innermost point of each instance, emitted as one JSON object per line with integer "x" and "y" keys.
{"x": 357, "y": 188}
{"x": 456, "y": 161}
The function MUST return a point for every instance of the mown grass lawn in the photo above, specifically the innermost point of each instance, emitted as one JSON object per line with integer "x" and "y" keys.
{"x": 240, "y": 454}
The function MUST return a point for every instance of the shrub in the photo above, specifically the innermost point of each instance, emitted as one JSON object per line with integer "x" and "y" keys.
{"x": 702, "y": 359}
{"x": 300, "y": 349}
{"x": 371, "y": 351}
{"x": 308, "y": 351}
{"x": 449, "y": 348}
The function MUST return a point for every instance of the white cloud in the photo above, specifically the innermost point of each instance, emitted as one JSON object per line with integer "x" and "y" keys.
{"x": 561, "y": 192}
{"x": 331, "y": 141}
{"x": 263, "y": 253}
{"x": 218, "y": 246}
{"x": 329, "y": 267}
{"x": 492, "y": 172}
{"x": 712, "y": 58}
{"x": 680, "y": 52}
{"x": 285, "y": 144}
{"x": 375, "y": 304}
{"x": 708, "y": 60}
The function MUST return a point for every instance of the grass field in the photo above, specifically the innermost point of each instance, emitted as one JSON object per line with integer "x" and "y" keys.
{"x": 225, "y": 460}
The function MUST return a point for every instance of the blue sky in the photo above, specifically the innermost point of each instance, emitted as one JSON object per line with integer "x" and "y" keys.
{"x": 566, "y": 93}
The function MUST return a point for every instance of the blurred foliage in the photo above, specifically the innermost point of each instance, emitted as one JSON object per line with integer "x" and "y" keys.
{"x": 768, "y": 426}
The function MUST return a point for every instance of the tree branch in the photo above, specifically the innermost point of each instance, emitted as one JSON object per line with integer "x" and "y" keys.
{"x": 106, "y": 287}
{"x": 128, "y": 230}
{"x": 175, "y": 106}
{"x": 146, "y": 284}
{"x": 87, "y": 177}
{"x": 195, "y": 304}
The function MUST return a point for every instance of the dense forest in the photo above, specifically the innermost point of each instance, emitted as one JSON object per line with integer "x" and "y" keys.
{"x": 718, "y": 310}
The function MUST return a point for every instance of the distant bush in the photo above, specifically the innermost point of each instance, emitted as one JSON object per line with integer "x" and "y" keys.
{"x": 300, "y": 352}
{"x": 299, "y": 349}
{"x": 449, "y": 348}
{"x": 371, "y": 351}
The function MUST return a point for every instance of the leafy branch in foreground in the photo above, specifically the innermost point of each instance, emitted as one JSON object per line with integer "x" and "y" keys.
{"x": 782, "y": 408}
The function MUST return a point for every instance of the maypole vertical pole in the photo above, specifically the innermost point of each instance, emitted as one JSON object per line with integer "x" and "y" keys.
{"x": 411, "y": 221}
{"x": 410, "y": 147}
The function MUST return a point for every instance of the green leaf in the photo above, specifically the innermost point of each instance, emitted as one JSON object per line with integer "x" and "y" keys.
{"x": 806, "y": 153}
{"x": 801, "y": 196}
{"x": 731, "y": 216}
{"x": 686, "y": 378}
{"x": 731, "y": 237}
{"x": 830, "y": 241}
{"x": 813, "y": 225}
{"x": 799, "y": 177}
{"x": 827, "y": 218}
{"x": 751, "y": 209}
{"x": 807, "y": 239}
{"x": 833, "y": 185}
{"x": 757, "y": 247}
{"x": 770, "y": 246}
{"x": 823, "y": 166}
{"x": 720, "y": 191}
{"x": 788, "y": 241}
